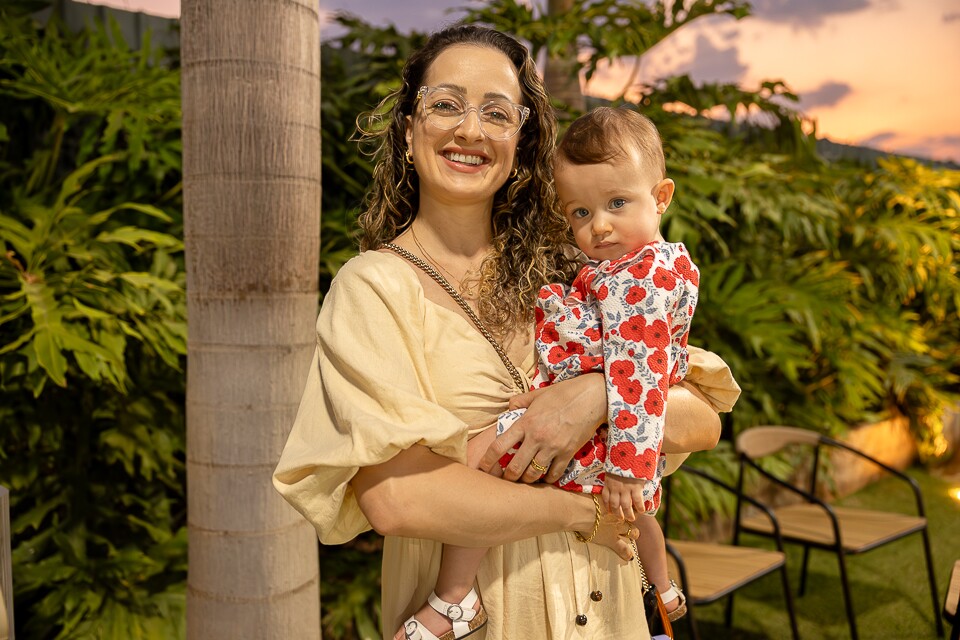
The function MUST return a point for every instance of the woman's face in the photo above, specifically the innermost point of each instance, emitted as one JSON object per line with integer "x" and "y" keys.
{"x": 463, "y": 165}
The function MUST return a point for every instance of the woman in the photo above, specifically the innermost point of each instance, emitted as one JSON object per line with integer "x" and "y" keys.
{"x": 402, "y": 376}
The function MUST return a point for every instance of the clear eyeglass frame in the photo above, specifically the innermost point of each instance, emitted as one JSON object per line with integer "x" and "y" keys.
{"x": 490, "y": 129}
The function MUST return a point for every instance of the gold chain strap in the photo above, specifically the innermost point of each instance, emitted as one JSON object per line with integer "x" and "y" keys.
{"x": 643, "y": 574}
{"x": 433, "y": 273}
{"x": 596, "y": 523}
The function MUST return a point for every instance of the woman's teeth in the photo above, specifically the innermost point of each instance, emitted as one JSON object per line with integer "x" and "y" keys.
{"x": 464, "y": 159}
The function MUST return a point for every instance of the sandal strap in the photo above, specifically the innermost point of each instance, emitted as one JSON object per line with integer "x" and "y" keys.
{"x": 670, "y": 595}
{"x": 413, "y": 630}
{"x": 459, "y": 614}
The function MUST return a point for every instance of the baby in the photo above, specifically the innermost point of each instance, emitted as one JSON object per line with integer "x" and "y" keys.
{"x": 628, "y": 314}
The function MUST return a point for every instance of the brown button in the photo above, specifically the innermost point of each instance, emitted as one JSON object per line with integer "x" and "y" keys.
{"x": 581, "y": 620}
{"x": 596, "y": 596}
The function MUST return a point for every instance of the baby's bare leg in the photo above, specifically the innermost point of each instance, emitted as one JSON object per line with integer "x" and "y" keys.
{"x": 653, "y": 554}
{"x": 458, "y": 565}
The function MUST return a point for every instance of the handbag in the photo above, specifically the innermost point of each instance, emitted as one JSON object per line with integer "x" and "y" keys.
{"x": 658, "y": 620}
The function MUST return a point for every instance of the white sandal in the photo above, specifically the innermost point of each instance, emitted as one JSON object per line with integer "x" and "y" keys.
{"x": 672, "y": 594}
{"x": 465, "y": 618}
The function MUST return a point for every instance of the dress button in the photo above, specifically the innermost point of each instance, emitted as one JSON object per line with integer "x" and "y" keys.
{"x": 596, "y": 596}
{"x": 581, "y": 620}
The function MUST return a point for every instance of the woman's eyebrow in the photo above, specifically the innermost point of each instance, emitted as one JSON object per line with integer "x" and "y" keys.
{"x": 489, "y": 95}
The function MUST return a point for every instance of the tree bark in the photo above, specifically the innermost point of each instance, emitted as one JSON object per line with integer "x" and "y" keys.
{"x": 251, "y": 160}
{"x": 561, "y": 74}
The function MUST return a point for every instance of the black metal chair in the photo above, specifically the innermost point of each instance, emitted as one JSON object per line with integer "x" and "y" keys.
{"x": 817, "y": 525}
{"x": 709, "y": 571}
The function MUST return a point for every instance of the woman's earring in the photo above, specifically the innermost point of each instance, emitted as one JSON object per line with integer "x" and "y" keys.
{"x": 409, "y": 156}
{"x": 513, "y": 174}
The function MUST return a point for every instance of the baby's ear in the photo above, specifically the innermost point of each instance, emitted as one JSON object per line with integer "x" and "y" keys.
{"x": 663, "y": 194}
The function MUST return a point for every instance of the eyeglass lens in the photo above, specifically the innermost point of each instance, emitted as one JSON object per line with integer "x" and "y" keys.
{"x": 446, "y": 109}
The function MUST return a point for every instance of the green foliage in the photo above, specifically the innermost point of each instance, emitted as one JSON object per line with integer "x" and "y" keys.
{"x": 829, "y": 288}
{"x": 604, "y": 30}
{"x": 92, "y": 332}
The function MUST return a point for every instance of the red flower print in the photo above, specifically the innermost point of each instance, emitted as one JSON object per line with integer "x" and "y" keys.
{"x": 641, "y": 269}
{"x": 591, "y": 363}
{"x": 635, "y": 294}
{"x": 574, "y": 348}
{"x": 646, "y": 463}
{"x": 556, "y": 354}
{"x": 538, "y": 316}
{"x": 634, "y": 328}
{"x": 576, "y": 312}
{"x": 629, "y": 390}
{"x": 621, "y": 369}
{"x": 582, "y": 281}
{"x": 657, "y": 361}
{"x": 664, "y": 279}
{"x": 586, "y": 455}
{"x": 549, "y": 333}
{"x": 602, "y": 292}
{"x": 625, "y": 420}
{"x": 653, "y": 405}
{"x": 622, "y": 455}
{"x": 657, "y": 335}
{"x": 593, "y": 334}
{"x": 682, "y": 265}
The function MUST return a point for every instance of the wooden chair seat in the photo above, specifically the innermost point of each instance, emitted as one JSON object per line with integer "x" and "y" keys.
{"x": 860, "y": 529}
{"x": 711, "y": 571}
{"x": 950, "y": 601}
{"x": 721, "y": 569}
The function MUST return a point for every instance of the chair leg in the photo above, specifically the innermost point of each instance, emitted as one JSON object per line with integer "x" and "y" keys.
{"x": 803, "y": 571}
{"x": 691, "y": 623}
{"x": 933, "y": 582}
{"x": 728, "y": 614}
{"x": 848, "y": 602}
{"x": 789, "y": 600}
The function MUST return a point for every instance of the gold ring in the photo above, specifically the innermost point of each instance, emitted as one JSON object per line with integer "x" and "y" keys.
{"x": 539, "y": 467}
{"x": 629, "y": 532}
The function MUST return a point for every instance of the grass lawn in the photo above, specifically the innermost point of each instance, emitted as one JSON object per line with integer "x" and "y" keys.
{"x": 890, "y": 593}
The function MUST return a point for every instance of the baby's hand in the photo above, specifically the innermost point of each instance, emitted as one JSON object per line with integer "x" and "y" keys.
{"x": 624, "y": 496}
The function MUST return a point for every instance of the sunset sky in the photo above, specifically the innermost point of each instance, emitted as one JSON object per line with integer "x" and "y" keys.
{"x": 879, "y": 73}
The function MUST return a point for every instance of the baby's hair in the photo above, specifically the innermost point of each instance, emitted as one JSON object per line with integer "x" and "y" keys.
{"x": 606, "y": 134}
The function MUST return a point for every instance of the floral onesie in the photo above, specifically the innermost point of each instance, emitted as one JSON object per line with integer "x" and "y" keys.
{"x": 630, "y": 318}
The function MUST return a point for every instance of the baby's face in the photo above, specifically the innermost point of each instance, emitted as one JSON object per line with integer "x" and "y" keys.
{"x": 611, "y": 206}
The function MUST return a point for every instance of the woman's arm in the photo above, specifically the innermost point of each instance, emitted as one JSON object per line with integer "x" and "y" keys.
{"x": 420, "y": 494}
{"x": 563, "y": 416}
{"x": 691, "y": 424}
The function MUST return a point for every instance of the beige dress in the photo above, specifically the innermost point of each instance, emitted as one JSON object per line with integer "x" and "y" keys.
{"x": 393, "y": 369}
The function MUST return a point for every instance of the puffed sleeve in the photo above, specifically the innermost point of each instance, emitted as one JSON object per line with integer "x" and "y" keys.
{"x": 711, "y": 375}
{"x": 368, "y": 395}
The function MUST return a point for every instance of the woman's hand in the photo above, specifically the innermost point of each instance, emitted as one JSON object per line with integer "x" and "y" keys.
{"x": 616, "y": 534}
{"x": 558, "y": 421}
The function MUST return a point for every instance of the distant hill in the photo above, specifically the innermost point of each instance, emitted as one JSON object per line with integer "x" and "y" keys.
{"x": 831, "y": 150}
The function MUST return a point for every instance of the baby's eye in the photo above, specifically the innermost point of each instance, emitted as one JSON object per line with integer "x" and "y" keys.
{"x": 617, "y": 203}
{"x": 579, "y": 213}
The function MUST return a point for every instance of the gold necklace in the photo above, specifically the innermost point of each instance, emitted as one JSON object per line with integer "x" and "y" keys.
{"x": 433, "y": 260}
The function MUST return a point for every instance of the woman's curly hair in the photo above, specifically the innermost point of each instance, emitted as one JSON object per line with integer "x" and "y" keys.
{"x": 531, "y": 238}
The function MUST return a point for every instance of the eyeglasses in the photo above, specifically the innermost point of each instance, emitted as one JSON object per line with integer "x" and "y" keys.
{"x": 446, "y": 109}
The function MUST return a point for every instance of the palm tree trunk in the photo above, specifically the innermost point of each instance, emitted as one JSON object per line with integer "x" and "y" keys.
{"x": 251, "y": 159}
{"x": 561, "y": 73}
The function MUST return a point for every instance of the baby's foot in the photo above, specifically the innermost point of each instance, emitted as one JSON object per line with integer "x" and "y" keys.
{"x": 429, "y": 619}
{"x": 442, "y": 620}
{"x": 674, "y": 602}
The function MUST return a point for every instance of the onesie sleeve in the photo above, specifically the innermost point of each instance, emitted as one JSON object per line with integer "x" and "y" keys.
{"x": 368, "y": 395}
